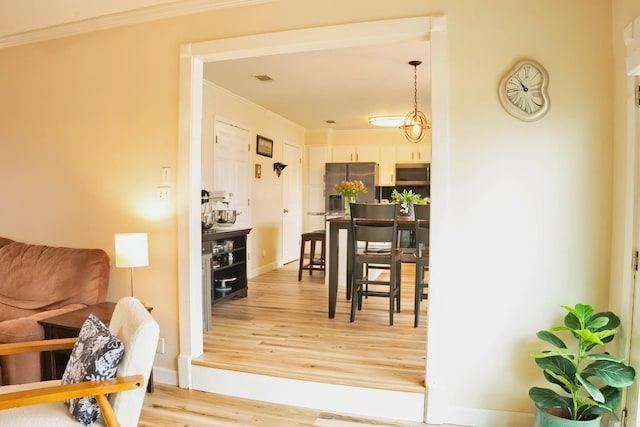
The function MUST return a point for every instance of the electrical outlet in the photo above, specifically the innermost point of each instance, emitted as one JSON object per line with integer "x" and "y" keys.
{"x": 163, "y": 193}
{"x": 160, "y": 347}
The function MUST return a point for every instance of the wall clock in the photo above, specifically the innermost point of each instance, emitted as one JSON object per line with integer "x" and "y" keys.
{"x": 523, "y": 91}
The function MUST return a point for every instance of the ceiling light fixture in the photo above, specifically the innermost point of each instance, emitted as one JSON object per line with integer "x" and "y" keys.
{"x": 390, "y": 121}
{"x": 415, "y": 123}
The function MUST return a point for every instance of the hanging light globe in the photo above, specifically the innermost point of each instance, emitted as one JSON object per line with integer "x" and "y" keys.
{"x": 415, "y": 123}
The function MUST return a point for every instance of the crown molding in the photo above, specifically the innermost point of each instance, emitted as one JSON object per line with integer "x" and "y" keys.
{"x": 137, "y": 16}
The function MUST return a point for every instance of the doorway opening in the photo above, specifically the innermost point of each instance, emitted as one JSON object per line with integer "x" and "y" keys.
{"x": 193, "y": 57}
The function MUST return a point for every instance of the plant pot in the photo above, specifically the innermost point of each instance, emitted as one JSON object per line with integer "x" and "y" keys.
{"x": 552, "y": 419}
{"x": 410, "y": 211}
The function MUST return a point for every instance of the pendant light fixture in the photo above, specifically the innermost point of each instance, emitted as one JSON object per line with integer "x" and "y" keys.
{"x": 415, "y": 123}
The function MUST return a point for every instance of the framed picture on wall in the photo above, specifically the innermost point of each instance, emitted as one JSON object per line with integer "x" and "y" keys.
{"x": 264, "y": 146}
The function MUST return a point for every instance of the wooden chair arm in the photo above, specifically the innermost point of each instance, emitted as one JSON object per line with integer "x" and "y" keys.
{"x": 31, "y": 346}
{"x": 57, "y": 393}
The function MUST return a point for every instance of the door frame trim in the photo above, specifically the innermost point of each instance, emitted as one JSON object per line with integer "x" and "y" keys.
{"x": 192, "y": 58}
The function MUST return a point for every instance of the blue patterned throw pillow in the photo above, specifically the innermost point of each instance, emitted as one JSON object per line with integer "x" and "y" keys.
{"x": 95, "y": 356}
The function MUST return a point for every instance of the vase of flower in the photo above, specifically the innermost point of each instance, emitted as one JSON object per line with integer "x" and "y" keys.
{"x": 347, "y": 204}
{"x": 349, "y": 191}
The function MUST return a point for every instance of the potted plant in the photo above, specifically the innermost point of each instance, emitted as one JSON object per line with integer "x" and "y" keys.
{"x": 591, "y": 380}
{"x": 407, "y": 199}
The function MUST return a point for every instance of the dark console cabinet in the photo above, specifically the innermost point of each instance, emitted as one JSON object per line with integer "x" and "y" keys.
{"x": 224, "y": 268}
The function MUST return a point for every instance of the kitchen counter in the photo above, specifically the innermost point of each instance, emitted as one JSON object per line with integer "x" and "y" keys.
{"x": 215, "y": 233}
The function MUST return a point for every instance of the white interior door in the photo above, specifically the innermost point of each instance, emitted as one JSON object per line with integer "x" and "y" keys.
{"x": 291, "y": 202}
{"x": 632, "y": 345}
{"x": 231, "y": 168}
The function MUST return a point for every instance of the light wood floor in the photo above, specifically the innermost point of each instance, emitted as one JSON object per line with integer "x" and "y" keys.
{"x": 170, "y": 406}
{"x": 282, "y": 329}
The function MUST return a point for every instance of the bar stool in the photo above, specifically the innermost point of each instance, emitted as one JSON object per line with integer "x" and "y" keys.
{"x": 314, "y": 263}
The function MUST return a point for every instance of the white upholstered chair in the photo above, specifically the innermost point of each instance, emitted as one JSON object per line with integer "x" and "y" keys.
{"x": 41, "y": 404}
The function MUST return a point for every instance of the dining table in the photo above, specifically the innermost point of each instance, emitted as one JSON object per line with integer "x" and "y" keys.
{"x": 336, "y": 224}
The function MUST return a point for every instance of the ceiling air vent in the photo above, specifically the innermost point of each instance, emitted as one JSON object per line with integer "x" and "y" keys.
{"x": 331, "y": 122}
{"x": 264, "y": 78}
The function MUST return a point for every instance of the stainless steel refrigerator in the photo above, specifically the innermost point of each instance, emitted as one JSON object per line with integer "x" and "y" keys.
{"x": 336, "y": 172}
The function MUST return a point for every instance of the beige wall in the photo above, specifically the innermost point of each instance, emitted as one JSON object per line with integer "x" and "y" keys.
{"x": 266, "y": 201}
{"x": 372, "y": 136}
{"x": 529, "y": 231}
{"x": 87, "y": 122}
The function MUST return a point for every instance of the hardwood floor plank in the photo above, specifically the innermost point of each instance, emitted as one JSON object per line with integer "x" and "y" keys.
{"x": 282, "y": 329}
{"x": 171, "y": 406}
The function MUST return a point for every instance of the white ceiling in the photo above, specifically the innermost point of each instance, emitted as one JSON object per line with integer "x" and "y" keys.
{"x": 346, "y": 85}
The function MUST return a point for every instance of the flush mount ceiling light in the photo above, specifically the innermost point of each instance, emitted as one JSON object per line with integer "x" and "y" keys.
{"x": 415, "y": 123}
{"x": 391, "y": 121}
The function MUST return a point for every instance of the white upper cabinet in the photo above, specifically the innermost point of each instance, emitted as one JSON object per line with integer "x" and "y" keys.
{"x": 418, "y": 153}
{"x": 352, "y": 153}
{"x": 387, "y": 165}
{"x": 343, "y": 153}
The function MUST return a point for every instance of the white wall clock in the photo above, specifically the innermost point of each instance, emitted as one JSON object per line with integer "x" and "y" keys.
{"x": 523, "y": 91}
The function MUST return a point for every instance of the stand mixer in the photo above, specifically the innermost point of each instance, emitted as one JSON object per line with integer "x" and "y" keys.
{"x": 216, "y": 212}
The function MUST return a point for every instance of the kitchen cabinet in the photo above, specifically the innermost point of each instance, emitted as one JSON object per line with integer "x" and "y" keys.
{"x": 419, "y": 153}
{"x": 387, "y": 165}
{"x": 353, "y": 153}
{"x": 224, "y": 255}
{"x": 317, "y": 156}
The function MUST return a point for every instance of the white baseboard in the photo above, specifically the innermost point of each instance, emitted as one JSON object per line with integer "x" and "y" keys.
{"x": 165, "y": 376}
{"x": 325, "y": 397}
{"x": 487, "y": 418}
{"x": 261, "y": 270}
{"x": 364, "y": 402}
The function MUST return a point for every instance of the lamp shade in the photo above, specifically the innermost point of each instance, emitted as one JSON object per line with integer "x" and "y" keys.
{"x": 132, "y": 250}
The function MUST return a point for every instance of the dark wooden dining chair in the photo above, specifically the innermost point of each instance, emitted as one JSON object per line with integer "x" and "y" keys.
{"x": 374, "y": 231}
{"x": 422, "y": 216}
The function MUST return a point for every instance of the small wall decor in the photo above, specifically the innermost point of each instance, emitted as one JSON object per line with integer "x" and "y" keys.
{"x": 258, "y": 173}
{"x": 279, "y": 167}
{"x": 264, "y": 146}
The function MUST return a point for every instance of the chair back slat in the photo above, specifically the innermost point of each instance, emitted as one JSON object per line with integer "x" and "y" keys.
{"x": 375, "y": 223}
{"x": 422, "y": 214}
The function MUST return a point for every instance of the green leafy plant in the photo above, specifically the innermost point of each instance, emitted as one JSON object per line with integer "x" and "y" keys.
{"x": 406, "y": 199}
{"x": 592, "y": 381}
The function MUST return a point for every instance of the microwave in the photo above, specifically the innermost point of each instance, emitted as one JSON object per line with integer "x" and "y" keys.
{"x": 413, "y": 174}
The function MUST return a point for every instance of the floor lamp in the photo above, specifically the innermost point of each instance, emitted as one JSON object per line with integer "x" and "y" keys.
{"x": 132, "y": 250}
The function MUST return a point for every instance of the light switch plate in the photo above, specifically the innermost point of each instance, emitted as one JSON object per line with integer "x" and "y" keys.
{"x": 166, "y": 175}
